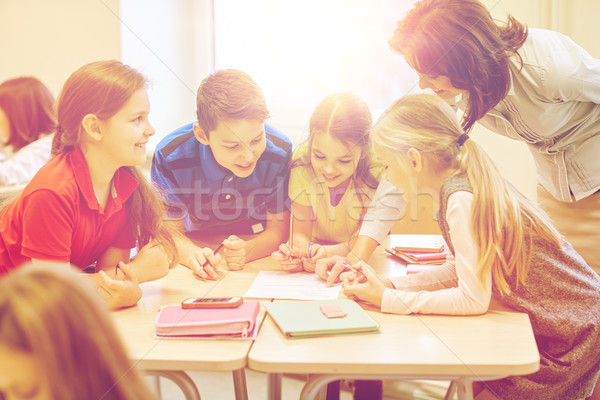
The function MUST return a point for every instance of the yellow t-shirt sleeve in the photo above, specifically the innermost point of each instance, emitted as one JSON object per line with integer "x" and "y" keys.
{"x": 299, "y": 186}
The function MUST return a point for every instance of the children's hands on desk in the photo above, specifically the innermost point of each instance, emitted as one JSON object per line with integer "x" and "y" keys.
{"x": 234, "y": 250}
{"x": 289, "y": 259}
{"x": 366, "y": 286}
{"x": 204, "y": 263}
{"x": 195, "y": 257}
{"x": 123, "y": 291}
{"x": 310, "y": 262}
{"x": 298, "y": 260}
{"x": 330, "y": 268}
{"x": 152, "y": 262}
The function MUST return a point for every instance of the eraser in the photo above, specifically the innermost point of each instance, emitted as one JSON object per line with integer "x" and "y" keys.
{"x": 333, "y": 311}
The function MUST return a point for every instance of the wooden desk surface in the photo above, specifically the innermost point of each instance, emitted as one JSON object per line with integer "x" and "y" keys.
{"x": 136, "y": 324}
{"x": 496, "y": 344}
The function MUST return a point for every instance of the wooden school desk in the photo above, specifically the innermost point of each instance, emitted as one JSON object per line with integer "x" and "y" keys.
{"x": 170, "y": 357}
{"x": 458, "y": 348}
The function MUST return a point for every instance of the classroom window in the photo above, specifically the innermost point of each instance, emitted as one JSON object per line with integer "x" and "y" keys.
{"x": 301, "y": 51}
{"x": 297, "y": 51}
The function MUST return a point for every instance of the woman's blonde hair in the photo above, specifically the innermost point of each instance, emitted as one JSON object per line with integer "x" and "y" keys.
{"x": 55, "y": 315}
{"x": 503, "y": 220}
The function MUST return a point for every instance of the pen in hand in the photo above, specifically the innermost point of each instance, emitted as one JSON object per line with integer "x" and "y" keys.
{"x": 291, "y": 237}
{"x": 350, "y": 267}
{"x": 219, "y": 247}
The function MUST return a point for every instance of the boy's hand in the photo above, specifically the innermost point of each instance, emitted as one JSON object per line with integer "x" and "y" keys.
{"x": 204, "y": 263}
{"x": 120, "y": 293}
{"x": 234, "y": 250}
{"x": 330, "y": 268}
{"x": 367, "y": 286}
{"x": 194, "y": 258}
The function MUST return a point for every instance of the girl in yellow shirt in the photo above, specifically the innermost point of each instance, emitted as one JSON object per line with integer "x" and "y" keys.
{"x": 332, "y": 179}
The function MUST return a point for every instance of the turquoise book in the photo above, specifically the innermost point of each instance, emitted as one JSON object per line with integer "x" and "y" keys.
{"x": 320, "y": 317}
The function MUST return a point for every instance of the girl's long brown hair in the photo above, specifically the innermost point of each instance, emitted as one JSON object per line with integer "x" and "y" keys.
{"x": 460, "y": 40}
{"x": 55, "y": 315}
{"x": 29, "y": 107}
{"x": 102, "y": 88}
{"x": 503, "y": 220}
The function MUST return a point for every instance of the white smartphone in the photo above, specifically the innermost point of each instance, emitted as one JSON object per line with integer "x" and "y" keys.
{"x": 212, "y": 302}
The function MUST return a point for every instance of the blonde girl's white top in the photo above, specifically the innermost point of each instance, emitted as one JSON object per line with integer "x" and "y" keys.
{"x": 454, "y": 288}
{"x": 22, "y": 165}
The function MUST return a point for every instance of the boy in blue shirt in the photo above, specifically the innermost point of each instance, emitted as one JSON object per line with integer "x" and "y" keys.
{"x": 226, "y": 175}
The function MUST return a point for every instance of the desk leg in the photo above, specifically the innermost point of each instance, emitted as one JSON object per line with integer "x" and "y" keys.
{"x": 181, "y": 379}
{"x": 316, "y": 384}
{"x": 239, "y": 384}
{"x": 451, "y": 390}
{"x": 464, "y": 388}
{"x": 274, "y": 382}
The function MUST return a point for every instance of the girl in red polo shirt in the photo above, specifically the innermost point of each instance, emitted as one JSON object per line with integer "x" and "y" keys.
{"x": 90, "y": 204}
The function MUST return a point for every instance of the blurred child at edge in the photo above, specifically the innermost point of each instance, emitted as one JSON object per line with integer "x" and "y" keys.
{"x": 27, "y": 122}
{"x": 57, "y": 340}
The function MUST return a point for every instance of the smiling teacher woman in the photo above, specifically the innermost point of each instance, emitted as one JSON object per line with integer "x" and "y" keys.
{"x": 532, "y": 85}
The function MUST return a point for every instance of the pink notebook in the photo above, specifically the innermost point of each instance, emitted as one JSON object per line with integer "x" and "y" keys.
{"x": 174, "y": 321}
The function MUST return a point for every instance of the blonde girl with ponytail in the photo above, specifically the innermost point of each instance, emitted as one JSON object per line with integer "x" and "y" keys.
{"x": 501, "y": 245}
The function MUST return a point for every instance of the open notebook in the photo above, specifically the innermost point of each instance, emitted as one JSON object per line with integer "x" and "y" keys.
{"x": 304, "y": 318}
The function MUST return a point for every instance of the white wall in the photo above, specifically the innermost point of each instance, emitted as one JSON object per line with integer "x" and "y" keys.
{"x": 51, "y": 39}
{"x": 170, "y": 42}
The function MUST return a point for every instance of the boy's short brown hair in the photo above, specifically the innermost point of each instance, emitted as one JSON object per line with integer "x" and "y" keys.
{"x": 229, "y": 94}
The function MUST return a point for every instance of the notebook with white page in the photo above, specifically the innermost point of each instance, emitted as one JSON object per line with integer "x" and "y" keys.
{"x": 295, "y": 286}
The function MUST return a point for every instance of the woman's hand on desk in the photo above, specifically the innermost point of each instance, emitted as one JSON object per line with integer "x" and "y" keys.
{"x": 365, "y": 285}
{"x": 120, "y": 292}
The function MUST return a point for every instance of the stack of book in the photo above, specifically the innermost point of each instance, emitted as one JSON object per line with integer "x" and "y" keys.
{"x": 419, "y": 252}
